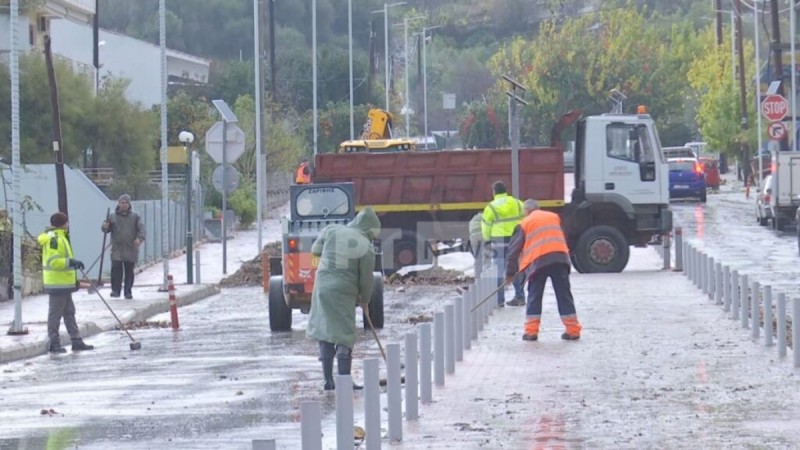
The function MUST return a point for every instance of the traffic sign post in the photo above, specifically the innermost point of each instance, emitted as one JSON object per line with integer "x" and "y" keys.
{"x": 774, "y": 107}
{"x": 776, "y": 131}
{"x": 218, "y": 144}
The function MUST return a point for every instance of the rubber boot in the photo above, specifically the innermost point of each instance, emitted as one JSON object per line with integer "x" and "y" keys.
{"x": 56, "y": 347}
{"x": 344, "y": 369}
{"x": 78, "y": 345}
{"x": 327, "y": 372}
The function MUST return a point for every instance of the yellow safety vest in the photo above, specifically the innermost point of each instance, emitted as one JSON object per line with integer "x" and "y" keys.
{"x": 500, "y": 217}
{"x": 56, "y": 253}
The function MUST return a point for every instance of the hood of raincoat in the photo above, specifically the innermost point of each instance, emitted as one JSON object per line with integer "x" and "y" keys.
{"x": 367, "y": 222}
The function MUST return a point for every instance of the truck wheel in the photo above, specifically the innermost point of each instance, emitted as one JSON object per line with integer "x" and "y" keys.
{"x": 280, "y": 315}
{"x": 275, "y": 266}
{"x": 406, "y": 252}
{"x": 376, "y": 304}
{"x": 575, "y": 263}
{"x": 780, "y": 223}
{"x": 602, "y": 249}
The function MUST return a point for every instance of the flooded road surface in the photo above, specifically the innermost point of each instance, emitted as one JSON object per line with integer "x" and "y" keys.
{"x": 221, "y": 381}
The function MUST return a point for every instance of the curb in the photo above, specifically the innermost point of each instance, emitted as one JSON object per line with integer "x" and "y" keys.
{"x": 89, "y": 329}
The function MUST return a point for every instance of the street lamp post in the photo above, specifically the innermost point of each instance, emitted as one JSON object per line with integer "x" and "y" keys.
{"x": 385, "y": 12}
{"x": 425, "y": 77}
{"x": 187, "y": 138}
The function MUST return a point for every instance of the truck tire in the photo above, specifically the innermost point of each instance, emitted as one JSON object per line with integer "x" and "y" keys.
{"x": 406, "y": 252}
{"x": 275, "y": 266}
{"x": 376, "y": 304}
{"x": 575, "y": 263}
{"x": 602, "y": 249}
{"x": 780, "y": 223}
{"x": 280, "y": 315}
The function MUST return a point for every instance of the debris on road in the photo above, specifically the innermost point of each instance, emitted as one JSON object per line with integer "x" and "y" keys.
{"x": 419, "y": 318}
{"x": 433, "y": 276}
{"x": 48, "y": 412}
{"x": 249, "y": 274}
{"x": 145, "y": 324}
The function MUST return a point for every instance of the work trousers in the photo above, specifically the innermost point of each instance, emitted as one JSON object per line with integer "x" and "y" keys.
{"x": 61, "y": 305}
{"x": 559, "y": 276}
{"x": 117, "y": 269}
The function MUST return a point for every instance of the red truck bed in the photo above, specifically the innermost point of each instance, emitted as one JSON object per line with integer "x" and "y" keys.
{"x": 444, "y": 180}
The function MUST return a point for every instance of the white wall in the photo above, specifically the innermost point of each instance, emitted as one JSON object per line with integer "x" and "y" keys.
{"x": 5, "y": 32}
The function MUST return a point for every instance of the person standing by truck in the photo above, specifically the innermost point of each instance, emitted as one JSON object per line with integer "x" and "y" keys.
{"x": 303, "y": 175}
{"x": 499, "y": 218}
{"x": 539, "y": 249}
{"x": 343, "y": 280}
{"x": 476, "y": 243}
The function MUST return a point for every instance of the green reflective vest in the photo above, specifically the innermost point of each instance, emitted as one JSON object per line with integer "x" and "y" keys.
{"x": 500, "y": 217}
{"x": 56, "y": 253}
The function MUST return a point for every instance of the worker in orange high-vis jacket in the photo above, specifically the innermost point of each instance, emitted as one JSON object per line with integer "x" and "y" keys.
{"x": 539, "y": 249}
{"x": 303, "y": 175}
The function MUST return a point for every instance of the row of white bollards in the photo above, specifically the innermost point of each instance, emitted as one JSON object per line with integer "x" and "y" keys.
{"x": 744, "y": 299}
{"x": 431, "y": 353}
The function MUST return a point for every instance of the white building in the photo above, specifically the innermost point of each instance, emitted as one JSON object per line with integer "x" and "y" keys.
{"x": 69, "y": 23}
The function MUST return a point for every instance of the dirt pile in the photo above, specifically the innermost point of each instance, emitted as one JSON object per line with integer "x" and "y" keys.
{"x": 249, "y": 274}
{"x": 433, "y": 276}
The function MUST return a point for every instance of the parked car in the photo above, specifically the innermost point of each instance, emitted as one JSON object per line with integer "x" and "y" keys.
{"x": 686, "y": 179}
{"x": 711, "y": 170}
{"x": 763, "y": 209}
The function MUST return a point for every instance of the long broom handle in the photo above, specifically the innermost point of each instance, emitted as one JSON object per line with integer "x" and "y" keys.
{"x": 494, "y": 292}
{"x": 103, "y": 251}
{"x": 112, "y": 311}
{"x": 375, "y": 334}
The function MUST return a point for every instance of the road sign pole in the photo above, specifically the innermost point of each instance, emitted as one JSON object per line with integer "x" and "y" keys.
{"x": 224, "y": 197}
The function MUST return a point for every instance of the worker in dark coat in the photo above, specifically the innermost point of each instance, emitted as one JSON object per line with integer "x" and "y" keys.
{"x": 344, "y": 279}
{"x": 127, "y": 234}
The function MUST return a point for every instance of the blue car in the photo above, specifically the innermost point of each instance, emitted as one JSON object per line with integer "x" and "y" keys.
{"x": 686, "y": 179}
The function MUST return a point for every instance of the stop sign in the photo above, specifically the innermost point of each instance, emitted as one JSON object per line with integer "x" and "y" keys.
{"x": 774, "y": 107}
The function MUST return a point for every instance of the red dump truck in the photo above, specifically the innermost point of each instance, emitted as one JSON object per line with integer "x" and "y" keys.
{"x": 621, "y": 195}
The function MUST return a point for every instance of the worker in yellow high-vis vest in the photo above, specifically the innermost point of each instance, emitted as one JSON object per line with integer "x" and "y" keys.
{"x": 60, "y": 276}
{"x": 500, "y": 217}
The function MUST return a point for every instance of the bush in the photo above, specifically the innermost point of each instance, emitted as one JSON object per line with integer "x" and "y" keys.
{"x": 243, "y": 203}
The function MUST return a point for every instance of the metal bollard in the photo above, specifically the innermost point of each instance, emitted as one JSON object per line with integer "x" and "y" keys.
{"x": 412, "y": 383}
{"x": 704, "y": 273}
{"x": 744, "y": 286}
{"x": 734, "y": 291}
{"x": 726, "y": 288}
{"x": 690, "y": 262}
{"x": 698, "y": 269}
{"x": 712, "y": 278}
{"x": 755, "y": 316}
{"x": 796, "y": 331}
{"x": 459, "y": 328}
{"x": 666, "y": 243}
{"x": 425, "y": 362}
{"x": 344, "y": 412}
{"x": 780, "y": 311}
{"x": 475, "y": 316}
{"x": 311, "y": 426}
{"x": 449, "y": 339}
{"x": 394, "y": 396}
{"x": 438, "y": 349}
{"x": 468, "y": 304}
{"x": 768, "y": 316}
{"x": 678, "y": 249}
{"x": 197, "y": 267}
{"x": 372, "y": 402}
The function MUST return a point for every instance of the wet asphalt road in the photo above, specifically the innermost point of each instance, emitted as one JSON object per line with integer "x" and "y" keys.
{"x": 220, "y": 382}
{"x": 726, "y": 228}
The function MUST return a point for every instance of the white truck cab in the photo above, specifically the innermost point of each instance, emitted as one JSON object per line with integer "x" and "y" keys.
{"x": 621, "y": 195}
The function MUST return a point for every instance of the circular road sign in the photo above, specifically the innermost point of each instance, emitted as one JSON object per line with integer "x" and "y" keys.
{"x": 233, "y": 178}
{"x": 774, "y": 107}
{"x": 776, "y": 131}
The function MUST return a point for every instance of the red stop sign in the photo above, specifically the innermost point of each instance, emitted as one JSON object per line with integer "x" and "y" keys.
{"x": 774, "y": 107}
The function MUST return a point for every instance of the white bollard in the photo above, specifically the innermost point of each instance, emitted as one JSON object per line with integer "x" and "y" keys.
{"x": 311, "y": 426}
{"x": 394, "y": 396}
{"x": 425, "y": 363}
{"x": 449, "y": 339}
{"x": 780, "y": 311}
{"x": 344, "y": 412}
{"x": 719, "y": 279}
{"x": 768, "y": 316}
{"x": 438, "y": 348}
{"x": 796, "y": 331}
{"x": 755, "y": 315}
{"x": 412, "y": 397}
{"x": 372, "y": 402}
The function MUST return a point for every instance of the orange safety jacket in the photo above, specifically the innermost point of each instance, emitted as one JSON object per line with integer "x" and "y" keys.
{"x": 303, "y": 174}
{"x": 543, "y": 243}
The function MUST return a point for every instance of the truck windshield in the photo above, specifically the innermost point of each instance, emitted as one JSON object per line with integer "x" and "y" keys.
{"x": 323, "y": 202}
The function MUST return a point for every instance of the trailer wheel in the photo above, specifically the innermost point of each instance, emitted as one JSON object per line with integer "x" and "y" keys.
{"x": 280, "y": 315}
{"x": 405, "y": 252}
{"x": 602, "y": 249}
{"x": 376, "y": 304}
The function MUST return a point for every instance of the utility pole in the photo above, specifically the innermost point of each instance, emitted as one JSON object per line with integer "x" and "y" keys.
{"x": 314, "y": 68}
{"x": 96, "y": 46}
{"x": 718, "y": 9}
{"x": 745, "y": 148}
{"x": 58, "y": 148}
{"x": 513, "y": 100}
{"x": 777, "y": 53}
{"x": 272, "y": 69}
{"x": 259, "y": 95}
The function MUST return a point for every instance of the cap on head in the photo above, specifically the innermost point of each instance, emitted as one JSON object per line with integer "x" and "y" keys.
{"x": 59, "y": 219}
{"x": 124, "y": 197}
{"x": 498, "y": 187}
{"x": 531, "y": 205}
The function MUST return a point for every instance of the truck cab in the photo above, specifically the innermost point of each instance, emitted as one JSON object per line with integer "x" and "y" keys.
{"x": 621, "y": 195}
{"x": 312, "y": 208}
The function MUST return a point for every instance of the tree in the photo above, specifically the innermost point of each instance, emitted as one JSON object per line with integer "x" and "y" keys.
{"x": 481, "y": 127}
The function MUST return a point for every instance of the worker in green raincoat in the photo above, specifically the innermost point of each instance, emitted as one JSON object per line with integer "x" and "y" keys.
{"x": 343, "y": 280}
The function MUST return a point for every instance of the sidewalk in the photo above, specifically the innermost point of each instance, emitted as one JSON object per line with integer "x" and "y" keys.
{"x": 658, "y": 366}
{"x": 92, "y": 315}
